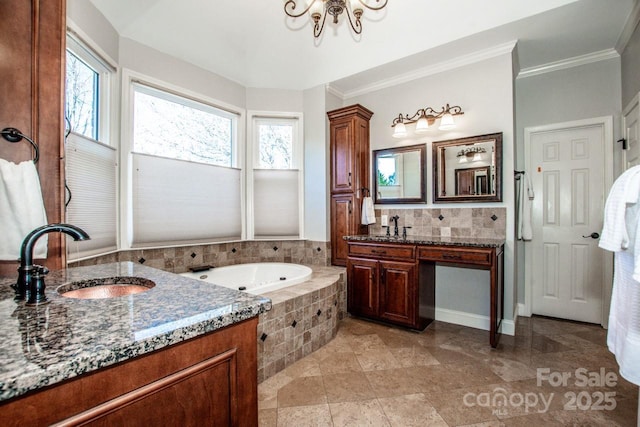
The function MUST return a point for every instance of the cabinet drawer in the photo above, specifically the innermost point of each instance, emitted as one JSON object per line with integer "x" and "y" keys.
{"x": 375, "y": 250}
{"x": 476, "y": 256}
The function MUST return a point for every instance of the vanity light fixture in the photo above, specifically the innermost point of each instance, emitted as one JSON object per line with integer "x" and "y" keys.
{"x": 424, "y": 118}
{"x": 319, "y": 9}
{"x": 470, "y": 154}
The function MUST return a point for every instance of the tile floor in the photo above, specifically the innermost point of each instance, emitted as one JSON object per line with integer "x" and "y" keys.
{"x": 448, "y": 375}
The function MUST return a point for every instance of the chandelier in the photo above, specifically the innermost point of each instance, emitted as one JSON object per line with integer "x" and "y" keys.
{"x": 319, "y": 9}
{"x": 471, "y": 154}
{"x": 424, "y": 118}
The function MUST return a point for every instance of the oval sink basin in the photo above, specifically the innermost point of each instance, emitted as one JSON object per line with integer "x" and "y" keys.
{"x": 109, "y": 287}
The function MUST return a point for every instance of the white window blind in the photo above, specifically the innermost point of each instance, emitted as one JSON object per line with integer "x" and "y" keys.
{"x": 275, "y": 203}
{"x": 176, "y": 201}
{"x": 91, "y": 171}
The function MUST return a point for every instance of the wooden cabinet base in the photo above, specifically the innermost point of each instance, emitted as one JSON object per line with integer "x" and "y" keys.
{"x": 207, "y": 381}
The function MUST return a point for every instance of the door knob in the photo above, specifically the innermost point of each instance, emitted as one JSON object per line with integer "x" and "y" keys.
{"x": 593, "y": 235}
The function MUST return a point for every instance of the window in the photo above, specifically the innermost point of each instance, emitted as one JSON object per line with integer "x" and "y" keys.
{"x": 185, "y": 185}
{"x": 90, "y": 155}
{"x": 175, "y": 127}
{"x": 276, "y": 178}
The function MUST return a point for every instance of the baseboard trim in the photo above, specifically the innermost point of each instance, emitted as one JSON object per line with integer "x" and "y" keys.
{"x": 473, "y": 320}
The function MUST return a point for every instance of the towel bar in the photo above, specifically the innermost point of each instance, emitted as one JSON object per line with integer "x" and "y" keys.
{"x": 14, "y": 135}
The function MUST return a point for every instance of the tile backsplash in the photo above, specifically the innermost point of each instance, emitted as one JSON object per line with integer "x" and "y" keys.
{"x": 446, "y": 222}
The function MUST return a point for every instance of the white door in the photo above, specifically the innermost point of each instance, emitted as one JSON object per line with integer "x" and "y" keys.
{"x": 631, "y": 116}
{"x": 567, "y": 171}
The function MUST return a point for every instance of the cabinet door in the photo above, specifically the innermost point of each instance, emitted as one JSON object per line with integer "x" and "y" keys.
{"x": 342, "y": 157}
{"x": 343, "y": 224}
{"x": 398, "y": 292}
{"x": 362, "y": 287}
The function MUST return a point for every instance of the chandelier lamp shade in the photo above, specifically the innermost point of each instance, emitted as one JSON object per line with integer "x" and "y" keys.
{"x": 471, "y": 154}
{"x": 319, "y": 9}
{"x": 424, "y": 118}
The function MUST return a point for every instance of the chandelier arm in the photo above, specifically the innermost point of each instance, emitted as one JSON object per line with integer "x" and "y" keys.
{"x": 357, "y": 27}
{"x": 291, "y": 4}
{"x": 455, "y": 110}
{"x": 319, "y": 25}
{"x": 364, "y": 3}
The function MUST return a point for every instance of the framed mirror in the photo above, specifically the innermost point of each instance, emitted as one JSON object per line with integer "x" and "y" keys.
{"x": 468, "y": 169}
{"x": 400, "y": 175}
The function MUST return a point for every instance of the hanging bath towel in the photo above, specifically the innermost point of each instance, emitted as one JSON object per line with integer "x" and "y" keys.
{"x": 21, "y": 208}
{"x": 368, "y": 212}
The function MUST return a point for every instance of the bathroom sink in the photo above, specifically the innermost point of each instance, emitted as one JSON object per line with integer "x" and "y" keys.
{"x": 107, "y": 287}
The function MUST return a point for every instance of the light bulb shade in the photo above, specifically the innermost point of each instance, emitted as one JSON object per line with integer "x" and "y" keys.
{"x": 477, "y": 157}
{"x": 316, "y": 7}
{"x": 399, "y": 130}
{"x": 422, "y": 125}
{"x": 447, "y": 122}
{"x": 463, "y": 159}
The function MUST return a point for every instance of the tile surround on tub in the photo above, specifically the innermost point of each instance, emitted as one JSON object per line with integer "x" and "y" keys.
{"x": 447, "y": 222}
{"x": 179, "y": 259}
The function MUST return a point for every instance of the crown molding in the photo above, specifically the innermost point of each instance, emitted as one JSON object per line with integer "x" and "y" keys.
{"x": 334, "y": 91}
{"x": 440, "y": 67}
{"x": 564, "y": 64}
{"x": 629, "y": 27}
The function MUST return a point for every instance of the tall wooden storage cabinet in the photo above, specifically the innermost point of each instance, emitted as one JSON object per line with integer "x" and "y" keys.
{"x": 349, "y": 129}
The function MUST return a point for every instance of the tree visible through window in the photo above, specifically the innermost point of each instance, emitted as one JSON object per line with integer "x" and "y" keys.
{"x": 170, "y": 126}
{"x": 275, "y": 146}
{"x": 81, "y": 97}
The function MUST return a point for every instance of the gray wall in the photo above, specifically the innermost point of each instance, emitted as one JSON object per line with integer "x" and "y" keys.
{"x": 587, "y": 91}
{"x": 631, "y": 68}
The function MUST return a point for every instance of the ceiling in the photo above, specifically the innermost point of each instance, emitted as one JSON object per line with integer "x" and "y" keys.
{"x": 253, "y": 43}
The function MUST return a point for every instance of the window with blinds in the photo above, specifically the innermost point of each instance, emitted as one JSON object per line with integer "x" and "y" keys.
{"x": 185, "y": 186}
{"x": 276, "y": 177}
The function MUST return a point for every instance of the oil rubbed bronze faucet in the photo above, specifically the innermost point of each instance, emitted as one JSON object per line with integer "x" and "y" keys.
{"x": 30, "y": 284}
{"x": 395, "y": 219}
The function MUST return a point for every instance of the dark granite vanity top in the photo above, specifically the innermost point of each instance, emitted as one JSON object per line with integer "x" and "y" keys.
{"x": 43, "y": 345}
{"x": 477, "y": 242}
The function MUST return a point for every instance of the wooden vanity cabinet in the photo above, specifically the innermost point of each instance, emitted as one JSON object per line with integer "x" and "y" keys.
{"x": 383, "y": 283}
{"x": 349, "y": 152}
{"x": 209, "y": 380}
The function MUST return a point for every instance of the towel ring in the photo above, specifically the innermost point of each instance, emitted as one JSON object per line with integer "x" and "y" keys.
{"x": 14, "y": 135}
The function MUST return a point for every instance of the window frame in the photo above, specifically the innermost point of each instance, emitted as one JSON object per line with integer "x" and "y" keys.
{"x": 107, "y": 73}
{"x": 253, "y": 153}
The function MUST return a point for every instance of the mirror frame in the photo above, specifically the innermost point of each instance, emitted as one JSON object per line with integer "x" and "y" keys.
{"x": 422, "y": 148}
{"x": 438, "y": 169}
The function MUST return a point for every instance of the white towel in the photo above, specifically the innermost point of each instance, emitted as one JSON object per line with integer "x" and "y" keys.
{"x": 624, "y": 192}
{"x": 623, "y": 336}
{"x": 21, "y": 209}
{"x": 525, "y": 231}
{"x": 368, "y": 212}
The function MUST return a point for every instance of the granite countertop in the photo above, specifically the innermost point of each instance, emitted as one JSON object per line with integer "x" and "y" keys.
{"x": 67, "y": 337}
{"x": 478, "y": 242}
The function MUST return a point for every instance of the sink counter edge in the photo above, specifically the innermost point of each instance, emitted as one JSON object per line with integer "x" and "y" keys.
{"x": 479, "y": 242}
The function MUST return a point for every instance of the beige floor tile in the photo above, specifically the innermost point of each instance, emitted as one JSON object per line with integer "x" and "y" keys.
{"x": 268, "y": 418}
{"x": 412, "y": 410}
{"x": 305, "y": 416}
{"x": 450, "y": 377}
{"x": 413, "y": 356}
{"x": 346, "y": 387}
{"x": 358, "y": 414}
{"x": 451, "y": 406}
{"x": 510, "y": 370}
{"x": 336, "y": 363}
{"x": 302, "y": 391}
{"x": 377, "y": 359}
{"x": 391, "y": 382}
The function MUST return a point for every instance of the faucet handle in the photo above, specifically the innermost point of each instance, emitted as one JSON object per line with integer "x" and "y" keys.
{"x": 37, "y": 286}
{"x": 404, "y": 231}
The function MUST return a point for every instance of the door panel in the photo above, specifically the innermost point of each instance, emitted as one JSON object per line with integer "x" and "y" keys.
{"x": 343, "y": 160}
{"x": 397, "y": 292}
{"x": 362, "y": 294}
{"x": 568, "y": 177}
{"x": 342, "y": 215}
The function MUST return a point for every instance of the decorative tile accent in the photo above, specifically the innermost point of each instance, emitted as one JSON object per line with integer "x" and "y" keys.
{"x": 318, "y": 313}
{"x": 275, "y": 248}
{"x": 440, "y": 217}
{"x": 494, "y": 217}
{"x": 141, "y": 260}
{"x": 234, "y": 250}
{"x": 293, "y": 325}
{"x": 263, "y": 337}
{"x": 193, "y": 255}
